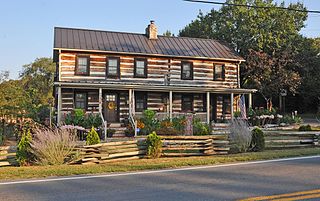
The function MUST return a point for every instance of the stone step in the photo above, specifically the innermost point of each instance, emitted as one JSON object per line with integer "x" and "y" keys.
{"x": 115, "y": 125}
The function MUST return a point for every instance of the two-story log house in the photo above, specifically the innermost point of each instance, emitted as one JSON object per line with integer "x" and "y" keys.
{"x": 120, "y": 74}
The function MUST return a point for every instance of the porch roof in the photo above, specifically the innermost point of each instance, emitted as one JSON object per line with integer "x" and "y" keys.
{"x": 159, "y": 88}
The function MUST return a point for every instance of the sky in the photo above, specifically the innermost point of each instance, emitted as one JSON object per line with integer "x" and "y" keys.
{"x": 26, "y": 27}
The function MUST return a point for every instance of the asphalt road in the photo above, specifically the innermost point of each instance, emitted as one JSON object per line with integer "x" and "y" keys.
{"x": 210, "y": 183}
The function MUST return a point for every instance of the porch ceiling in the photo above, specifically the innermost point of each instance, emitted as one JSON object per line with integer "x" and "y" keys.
{"x": 160, "y": 88}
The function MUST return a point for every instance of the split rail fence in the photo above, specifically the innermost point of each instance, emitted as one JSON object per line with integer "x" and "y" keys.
{"x": 291, "y": 139}
{"x": 8, "y": 156}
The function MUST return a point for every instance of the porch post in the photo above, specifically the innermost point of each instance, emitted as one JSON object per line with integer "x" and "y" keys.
{"x": 59, "y": 106}
{"x": 232, "y": 115}
{"x": 170, "y": 105}
{"x": 208, "y": 107}
{"x": 250, "y": 100}
{"x": 100, "y": 100}
{"x": 130, "y": 100}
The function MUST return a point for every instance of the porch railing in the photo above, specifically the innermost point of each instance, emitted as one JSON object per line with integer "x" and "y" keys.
{"x": 104, "y": 124}
{"x": 133, "y": 123}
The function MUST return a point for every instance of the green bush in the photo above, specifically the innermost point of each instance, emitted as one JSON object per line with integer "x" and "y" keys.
{"x": 24, "y": 155}
{"x": 257, "y": 141}
{"x": 150, "y": 122}
{"x": 289, "y": 119}
{"x": 179, "y": 123}
{"x": 200, "y": 128}
{"x": 154, "y": 145}
{"x": 78, "y": 118}
{"x": 168, "y": 131}
{"x": 93, "y": 137}
{"x": 305, "y": 128}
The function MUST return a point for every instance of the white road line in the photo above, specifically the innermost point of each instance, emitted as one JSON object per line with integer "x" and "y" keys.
{"x": 155, "y": 171}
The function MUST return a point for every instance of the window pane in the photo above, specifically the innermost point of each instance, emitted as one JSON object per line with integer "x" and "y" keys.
{"x": 113, "y": 67}
{"x": 80, "y": 100}
{"x": 82, "y": 64}
{"x": 140, "y": 67}
{"x": 187, "y": 104}
{"x": 218, "y": 71}
{"x": 140, "y": 102}
{"x": 186, "y": 70}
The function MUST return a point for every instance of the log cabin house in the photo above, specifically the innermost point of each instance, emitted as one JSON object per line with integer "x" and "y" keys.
{"x": 119, "y": 75}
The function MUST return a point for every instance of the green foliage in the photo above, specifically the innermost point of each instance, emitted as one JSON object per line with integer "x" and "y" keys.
{"x": 289, "y": 119}
{"x": 24, "y": 155}
{"x": 78, "y": 118}
{"x": 305, "y": 128}
{"x": 200, "y": 128}
{"x": 93, "y": 137}
{"x": 257, "y": 141}
{"x": 179, "y": 123}
{"x": 168, "y": 131}
{"x": 129, "y": 132}
{"x": 267, "y": 39}
{"x": 150, "y": 122}
{"x": 154, "y": 145}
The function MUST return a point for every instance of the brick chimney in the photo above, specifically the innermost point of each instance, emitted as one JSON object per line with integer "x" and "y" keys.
{"x": 152, "y": 31}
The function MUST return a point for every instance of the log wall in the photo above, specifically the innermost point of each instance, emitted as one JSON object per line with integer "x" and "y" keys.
{"x": 156, "y": 68}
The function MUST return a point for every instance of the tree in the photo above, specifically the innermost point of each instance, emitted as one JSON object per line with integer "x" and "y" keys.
{"x": 37, "y": 79}
{"x": 266, "y": 38}
{"x": 168, "y": 33}
{"x": 4, "y": 75}
{"x": 309, "y": 56}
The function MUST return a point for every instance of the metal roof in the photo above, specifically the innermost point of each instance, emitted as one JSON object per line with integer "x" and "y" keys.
{"x": 134, "y": 43}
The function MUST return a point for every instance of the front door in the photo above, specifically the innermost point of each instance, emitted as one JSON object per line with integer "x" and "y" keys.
{"x": 111, "y": 107}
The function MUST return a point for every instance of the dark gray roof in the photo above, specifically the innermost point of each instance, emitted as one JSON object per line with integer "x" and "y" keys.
{"x": 84, "y": 39}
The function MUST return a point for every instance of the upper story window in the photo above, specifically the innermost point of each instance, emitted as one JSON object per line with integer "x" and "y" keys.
{"x": 113, "y": 67}
{"x": 141, "y": 101}
{"x": 140, "y": 68}
{"x": 218, "y": 70}
{"x": 82, "y": 65}
{"x": 80, "y": 100}
{"x": 186, "y": 71}
{"x": 187, "y": 103}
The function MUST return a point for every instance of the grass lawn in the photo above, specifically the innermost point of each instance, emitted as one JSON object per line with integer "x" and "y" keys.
{"x": 11, "y": 173}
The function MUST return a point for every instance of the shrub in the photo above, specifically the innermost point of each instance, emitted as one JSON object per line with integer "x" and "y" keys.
{"x": 289, "y": 119}
{"x": 53, "y": 146}
{"x": 93, "y": 137}
{"x": 305, "y": 128}
{"x": 24, "y": 155}
{"x": 154, "y": 145}
{"x": 92, "y": 120}
{"x": 240, "y": 135}
{"x": 257, "y": 141}
{"x": 149, "y": 122}
{"x": 78, "y": 118}
{"x": 168, "y": 131}
{"x": 200, "y": 128}
{"x": 179, "y": 123}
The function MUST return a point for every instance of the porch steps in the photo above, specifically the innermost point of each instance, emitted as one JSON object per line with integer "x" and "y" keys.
{"x": 119, "y": 129}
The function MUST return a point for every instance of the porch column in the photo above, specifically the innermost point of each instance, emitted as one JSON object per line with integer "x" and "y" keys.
{"x": 250, "y": 100}
{"x": 170, "y": 105}
{"x": 232, "y": 115}
{"x": 100, "y": 100}
{"x": 130, "y": 100}
{"x": 59, "y": 106}
{"x": 208, "y": 107}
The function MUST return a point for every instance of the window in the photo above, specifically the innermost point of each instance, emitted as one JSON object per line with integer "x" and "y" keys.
{"x": 140, "y": 68}
{"x": 80, "y": 100}
{"x": 186, "y": 71}
{"x": 141, "y": 101}
{"x": 187, "y": 103}
{"x": 113, "y": 67}
{"x": 218, "y": 72}
{"x": 82, "y": 65}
